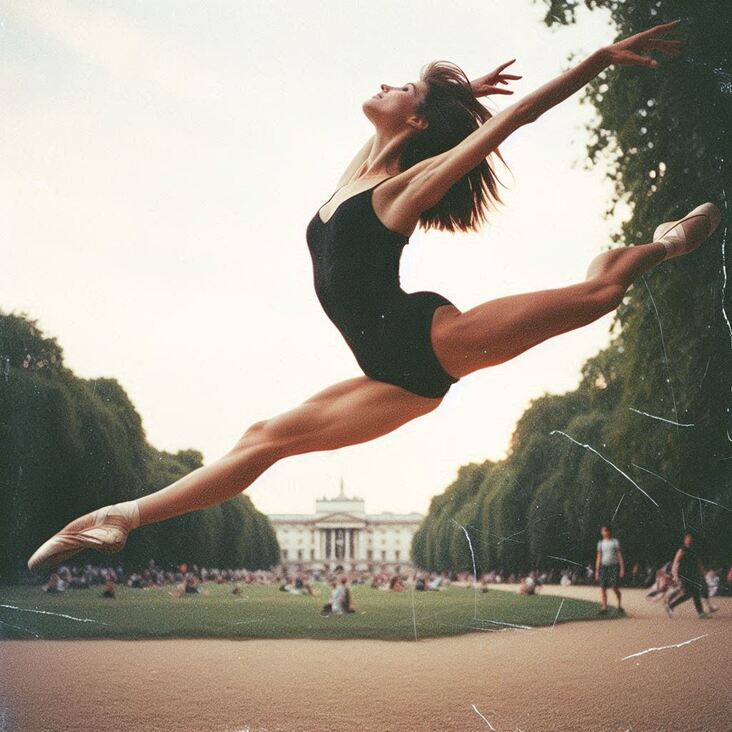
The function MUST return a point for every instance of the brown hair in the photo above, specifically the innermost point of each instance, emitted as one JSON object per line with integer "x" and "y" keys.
{"x": 452, "y": 112}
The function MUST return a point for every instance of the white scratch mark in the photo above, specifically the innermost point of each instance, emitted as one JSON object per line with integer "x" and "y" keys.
{"x": 617, "y": 507}
{"x": 557, "y": 615}
{"x": 704, "y": 375}
{"x": 414, "y": 616}
{"x": 17, "y": 627}
{"x": 475, "y": 572}
{"x": 564, "y": 559}
{"x": 510, "y": 625}
{"x": 510, "y": 536}
{"x": 724, "y": 266}
{"x": 664, "y": 648}
{"x": 602, "y": 457}
{"x": 490, "y": 726}
{"x": 46, "y": 612}
{"x": 661, "y": 419}
{"x": 690, "y": 495}
{"x": 663, "y": 345}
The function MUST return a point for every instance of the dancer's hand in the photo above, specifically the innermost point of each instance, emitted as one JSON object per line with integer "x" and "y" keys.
{"x": 488, "y": 84}
{"x": 631, "y": 51}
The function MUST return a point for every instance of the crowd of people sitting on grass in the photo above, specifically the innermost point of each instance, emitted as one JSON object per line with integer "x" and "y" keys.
{"x": 185, "y": 580}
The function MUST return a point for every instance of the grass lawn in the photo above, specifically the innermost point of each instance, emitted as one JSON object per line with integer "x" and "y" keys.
{"x": 265, "y": 612}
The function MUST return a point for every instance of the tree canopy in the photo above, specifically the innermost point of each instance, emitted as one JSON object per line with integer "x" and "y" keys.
{"x": 70, "y": 445}
{"x": 645, "y": 441}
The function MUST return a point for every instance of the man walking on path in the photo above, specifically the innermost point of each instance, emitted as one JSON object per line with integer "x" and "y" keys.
{"x": 687, "y": 571}
{"x": 609, "y": 567}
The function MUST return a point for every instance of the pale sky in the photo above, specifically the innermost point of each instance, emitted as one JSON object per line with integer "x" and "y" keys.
{"x": 161, "y": 161}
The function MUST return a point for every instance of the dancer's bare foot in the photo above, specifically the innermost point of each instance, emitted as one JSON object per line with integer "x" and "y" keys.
{"x": 687, "y": 234}
{"x": 105, "y": 530}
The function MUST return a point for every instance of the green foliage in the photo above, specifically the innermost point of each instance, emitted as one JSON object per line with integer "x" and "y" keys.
{"x": 70, "y": 445}
{"x": 665, "y": 137}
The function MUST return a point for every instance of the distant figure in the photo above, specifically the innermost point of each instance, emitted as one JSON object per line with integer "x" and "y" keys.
{"x": 395, "y": 584}
{"x": 55, "y": 585}
{"x": 663, "y": 583}
{"x": 688, "y": 571}
{"x": 609, "y": 567}
{"x": 108, "y": 590}
{"x": 528, "y": 585}
{"x": 345, "y": 597}
{"x": 435, "y": 582}
{"x": 710, "y": 587}
{"x": 334, "y": 604}
{"x": 190, "y": 586}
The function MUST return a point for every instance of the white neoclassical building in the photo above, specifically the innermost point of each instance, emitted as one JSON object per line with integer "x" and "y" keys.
{"x": 341, "y": 533}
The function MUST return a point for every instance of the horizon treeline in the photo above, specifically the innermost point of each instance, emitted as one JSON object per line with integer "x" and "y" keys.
{"x": 645, "y": 442}
{"x": 70, "y": 445}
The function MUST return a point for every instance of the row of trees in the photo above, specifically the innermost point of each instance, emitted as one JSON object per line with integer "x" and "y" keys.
{"x": 594, "y": 455}
{"x": 70, "y": 445}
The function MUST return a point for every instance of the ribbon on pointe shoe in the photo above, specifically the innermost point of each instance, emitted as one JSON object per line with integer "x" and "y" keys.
{"x": 673, "y": 236}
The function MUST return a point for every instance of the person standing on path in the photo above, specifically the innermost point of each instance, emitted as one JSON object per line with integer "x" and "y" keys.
{"x": 609, "y": 567}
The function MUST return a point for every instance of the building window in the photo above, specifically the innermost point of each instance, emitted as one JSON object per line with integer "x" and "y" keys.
{"x": 299, "y": 554}
{"x": 396, "y": 553}
{"x": 284, "y": 554}
{"x": 383, "y": 556}
{"x": 312, "y": 554}
{"x": 369, "y": 555}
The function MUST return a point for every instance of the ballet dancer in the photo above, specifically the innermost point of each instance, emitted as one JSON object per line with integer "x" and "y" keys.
{"x": 426, "y": 164}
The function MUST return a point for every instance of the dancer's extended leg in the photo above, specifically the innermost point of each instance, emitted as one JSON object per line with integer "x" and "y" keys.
{"x": 347, "y": 413}
{"x": 502, "y": 329}
{"x": 350, "y": 412}
{"x": 499, "y": 330}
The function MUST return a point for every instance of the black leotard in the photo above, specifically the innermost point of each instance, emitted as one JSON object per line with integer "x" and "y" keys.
{"x": 356, "y": 275}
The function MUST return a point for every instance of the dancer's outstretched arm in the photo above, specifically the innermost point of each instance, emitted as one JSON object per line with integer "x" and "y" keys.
{"x": 433, "y": 177}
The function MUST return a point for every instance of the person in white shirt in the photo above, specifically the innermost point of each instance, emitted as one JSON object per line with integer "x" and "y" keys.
{"x": 609, "y": 567}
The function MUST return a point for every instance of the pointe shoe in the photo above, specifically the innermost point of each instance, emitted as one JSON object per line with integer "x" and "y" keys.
{"x": 106, "y": 531}
{"x": 678, "y": 240}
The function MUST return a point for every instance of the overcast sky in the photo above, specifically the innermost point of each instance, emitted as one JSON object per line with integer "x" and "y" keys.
{"x": 161, "y": 161}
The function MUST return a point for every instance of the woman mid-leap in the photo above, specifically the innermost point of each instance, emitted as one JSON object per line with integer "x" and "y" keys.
{"x": 426, "y": 164}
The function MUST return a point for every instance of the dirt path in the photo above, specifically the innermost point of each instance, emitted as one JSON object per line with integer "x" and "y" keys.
{"x": 572, "y": 677}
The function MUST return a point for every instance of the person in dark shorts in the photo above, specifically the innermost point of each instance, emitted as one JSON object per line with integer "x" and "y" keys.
{"x": 609, "y": 567}
{"x": 688, "y": 573}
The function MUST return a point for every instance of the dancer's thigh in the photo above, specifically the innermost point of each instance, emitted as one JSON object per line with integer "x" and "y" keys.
{"x": 346, "y": 413}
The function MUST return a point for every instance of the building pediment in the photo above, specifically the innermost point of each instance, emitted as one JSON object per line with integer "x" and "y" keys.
{"x": 340, "y": 521}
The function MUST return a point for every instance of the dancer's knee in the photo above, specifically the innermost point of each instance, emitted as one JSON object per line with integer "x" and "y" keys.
{"x": 277, "y": 438}
{"x": 259, "y": 437}
{"x": 605, "y": 296}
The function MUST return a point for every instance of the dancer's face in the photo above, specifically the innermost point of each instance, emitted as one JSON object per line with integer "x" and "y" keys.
{"x": 605, "y": 532}
{"x": 394, "y": 107}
